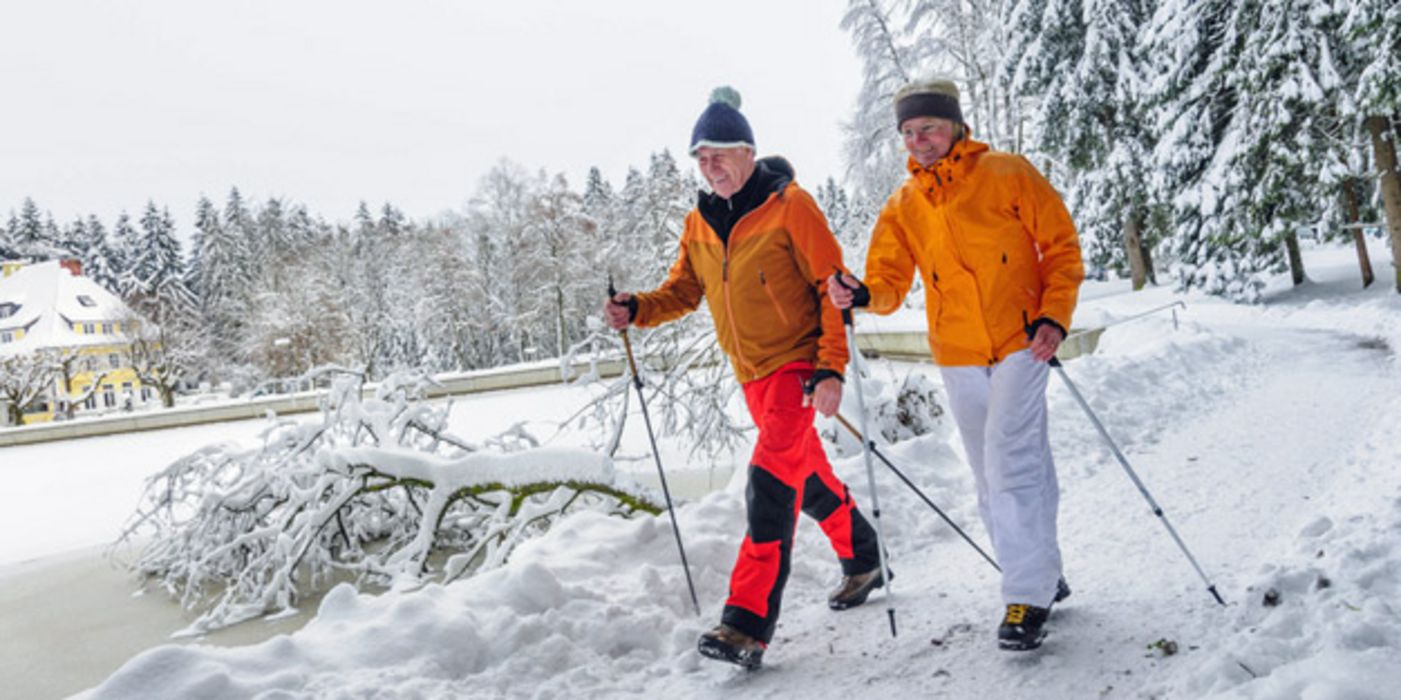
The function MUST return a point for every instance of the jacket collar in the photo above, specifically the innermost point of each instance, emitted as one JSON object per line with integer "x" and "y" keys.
{"x": 771, "y": 175}
{"x": 951, "y": 168}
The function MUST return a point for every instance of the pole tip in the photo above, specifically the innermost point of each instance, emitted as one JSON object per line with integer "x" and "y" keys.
{"x": 891, "y": 613}
{"x": 1214, "y": 594}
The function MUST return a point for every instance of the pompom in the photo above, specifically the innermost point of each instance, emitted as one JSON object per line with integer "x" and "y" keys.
{"x": 725, "y": 95}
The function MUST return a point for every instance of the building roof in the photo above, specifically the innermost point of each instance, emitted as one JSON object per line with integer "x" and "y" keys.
{"x": 46, "y": 299}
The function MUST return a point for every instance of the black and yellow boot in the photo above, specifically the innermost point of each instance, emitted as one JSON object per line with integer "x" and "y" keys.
{"x": 1023, "y": 627}
{"x": 725, "y": 643}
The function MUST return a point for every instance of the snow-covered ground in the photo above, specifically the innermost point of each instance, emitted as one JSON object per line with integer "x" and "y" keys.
{"x": 1270, "y": 435}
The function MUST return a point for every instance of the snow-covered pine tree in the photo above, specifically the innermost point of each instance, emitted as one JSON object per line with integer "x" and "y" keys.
{"x": 99, "y": 257}
{"x": 7, "y": 244}
{"x": 1021, "y": 22}
{"x": 1373, "y": 31}
{"x": 1085, "y": 71}
{"x": 1290, "y": 88}
{"x": 73, "y": 238}
{"x": 159, "y": 267}
{"x": 52, "y": 238}
{"x": 125, "y": 245}
{"x": 1347, "y": 187}
{"x": 302, "y": 230}
{"x": 27, "y": 233}
{"x": 1194, "y": 47}
{"x": 206, "y": 223}
{"x": 224, "y": 284}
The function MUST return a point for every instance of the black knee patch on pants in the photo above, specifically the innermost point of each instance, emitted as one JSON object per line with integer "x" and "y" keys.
{"x": 770, "y": 505}
{"x": 818, "y": 500}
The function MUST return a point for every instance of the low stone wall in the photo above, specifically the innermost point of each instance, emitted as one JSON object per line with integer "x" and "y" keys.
{"x": 910, "y": 346}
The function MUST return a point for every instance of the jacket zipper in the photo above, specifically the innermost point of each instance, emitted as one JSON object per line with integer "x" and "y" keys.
{"x": 730, "y": 309}
{"x": 725, "y": 284}
{"x": 773, "y": 299}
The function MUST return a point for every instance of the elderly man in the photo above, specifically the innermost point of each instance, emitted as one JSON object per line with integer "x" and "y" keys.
{"x": 1000, "y": 261}
{"x": 758, "y": 249}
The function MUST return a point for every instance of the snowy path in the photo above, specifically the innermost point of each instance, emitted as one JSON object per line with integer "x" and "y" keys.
{"x": 1270, "y": 435}
{"x": 1275, "y": 418}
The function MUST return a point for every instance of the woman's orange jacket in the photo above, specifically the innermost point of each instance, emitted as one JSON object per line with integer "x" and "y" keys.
{"x": 994, "y": 246}
{"x": 765, "y": 287}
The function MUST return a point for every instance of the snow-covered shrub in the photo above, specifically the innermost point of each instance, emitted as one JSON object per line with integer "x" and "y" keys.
{"x": 368, "y": 492}
{"x": 900, "y": 412}
{"x": 686, "y": 378}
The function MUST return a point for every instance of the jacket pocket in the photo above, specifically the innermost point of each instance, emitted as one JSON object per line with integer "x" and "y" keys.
{"x": 777, "y": 307}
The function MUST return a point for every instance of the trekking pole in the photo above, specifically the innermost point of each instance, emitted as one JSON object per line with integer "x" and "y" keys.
{"x": 656, "y": 454}
{"x": 872, "y": 445}
{"x": 867, "y": 447}
{"x": 1157, "y": 510}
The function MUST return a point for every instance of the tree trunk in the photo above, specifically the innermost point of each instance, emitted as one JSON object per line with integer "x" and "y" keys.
{"x": 1384, "y": 148}
{"x": 1354, "y": 218}
{"x": 1296, "y": 259}
{"x": 1133, "y": 248}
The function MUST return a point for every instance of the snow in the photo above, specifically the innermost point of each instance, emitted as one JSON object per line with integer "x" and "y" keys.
{"x": 1269, "y": 434}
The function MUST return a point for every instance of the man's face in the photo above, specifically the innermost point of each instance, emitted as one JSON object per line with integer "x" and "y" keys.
{"x": 928, "y": 138}
{"x": 725, "y": 169}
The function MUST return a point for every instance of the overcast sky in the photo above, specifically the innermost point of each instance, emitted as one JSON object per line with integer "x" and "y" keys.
{"x": 108, "y": 103}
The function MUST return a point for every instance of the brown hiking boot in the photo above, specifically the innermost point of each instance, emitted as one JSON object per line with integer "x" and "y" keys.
{"x": 854, "y": 590}
{"x": 725, "y": 643}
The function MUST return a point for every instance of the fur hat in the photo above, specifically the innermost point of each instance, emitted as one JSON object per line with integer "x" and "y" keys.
{"x": 937, "y": 97}
{"x": 721, "y": 125}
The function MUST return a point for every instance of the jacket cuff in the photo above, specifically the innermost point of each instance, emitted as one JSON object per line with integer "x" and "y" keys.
{"x": 1045, "y": 321}
{"x": 820, "y": 375}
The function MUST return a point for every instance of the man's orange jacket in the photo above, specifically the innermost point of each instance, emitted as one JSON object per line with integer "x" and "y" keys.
{"x": 995, "y": 248}
{"x": 765, "y": 286}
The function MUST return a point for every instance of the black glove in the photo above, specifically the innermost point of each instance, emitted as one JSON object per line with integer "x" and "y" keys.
{"x": 860, "y": 294}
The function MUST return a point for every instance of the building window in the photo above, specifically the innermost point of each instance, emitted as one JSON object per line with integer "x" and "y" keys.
{"x": 114, "y": 360}
{"x": 7, "y": 337}
{"x": 107, "y": 329}
{"x": 86, "y": 300}
{"x": 109, "y": 397}
{"x": 8, "y": 309}
{"x": 87, "y": 329}
{"x": 89, "y": 364}
{"x": 90, "y": 402}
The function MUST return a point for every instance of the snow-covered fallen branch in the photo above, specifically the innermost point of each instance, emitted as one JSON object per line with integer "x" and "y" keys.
{"x": 371, "y": 492}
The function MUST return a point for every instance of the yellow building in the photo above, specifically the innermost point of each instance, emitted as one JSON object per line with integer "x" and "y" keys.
{"x": 83, "y": 333}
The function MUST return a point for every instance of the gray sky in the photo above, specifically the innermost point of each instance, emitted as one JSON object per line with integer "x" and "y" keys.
{"x": 110, "y": 102}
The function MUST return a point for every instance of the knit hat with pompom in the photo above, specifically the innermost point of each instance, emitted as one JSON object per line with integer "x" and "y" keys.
{"x": 721, "y": 125}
